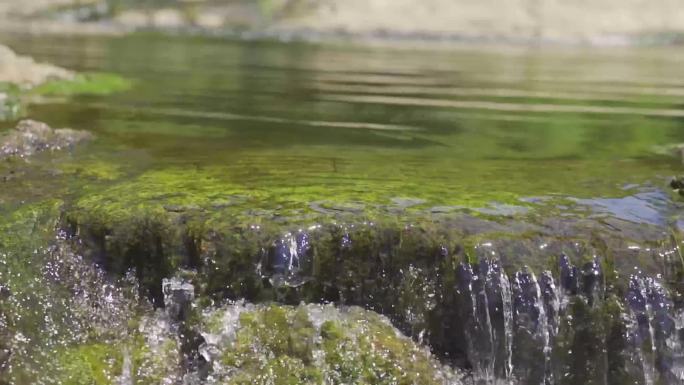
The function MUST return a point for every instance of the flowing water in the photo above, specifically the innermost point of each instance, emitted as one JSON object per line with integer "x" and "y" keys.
{"x": 532, "y": 237}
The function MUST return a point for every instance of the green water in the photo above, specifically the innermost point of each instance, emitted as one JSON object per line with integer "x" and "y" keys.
{"x": 275, "y": 130}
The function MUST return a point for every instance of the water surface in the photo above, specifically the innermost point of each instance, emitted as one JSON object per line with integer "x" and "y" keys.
{"x": 459, "y": 128}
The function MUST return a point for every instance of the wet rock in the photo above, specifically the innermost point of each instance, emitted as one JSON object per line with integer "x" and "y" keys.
{"x": 557, "y": 328}
{"x": 30, "y": 137}
{"x": 579, "y": 351}
{"x": 151, "y": 355}
{"x": 312, "y": 344}
{"x": 178, "y": 297}
{"x": 677, "y": 184}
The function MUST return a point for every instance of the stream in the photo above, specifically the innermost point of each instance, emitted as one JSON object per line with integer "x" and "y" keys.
{"x": 285, "y": 213}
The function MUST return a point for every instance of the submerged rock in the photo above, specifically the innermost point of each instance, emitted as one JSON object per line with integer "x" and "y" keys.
{"x": 30, "y": 137}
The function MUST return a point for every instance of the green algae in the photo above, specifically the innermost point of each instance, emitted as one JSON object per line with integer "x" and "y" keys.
{"x": 84, "y": 84}
{"x": 157, "y": 192}
{"x": 91, "y": 169}
{"x": 14, "y": 103}
{"x": 213, "y": 189}
{"x": 29, "y": 225}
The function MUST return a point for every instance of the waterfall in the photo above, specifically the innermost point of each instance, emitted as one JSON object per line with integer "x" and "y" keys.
{"x": 532, "y": 331}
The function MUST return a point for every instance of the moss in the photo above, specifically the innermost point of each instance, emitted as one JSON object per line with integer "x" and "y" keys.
{"x": 158, "y": 192}
{"x": 94, "y": 364}
{"x": 84, "y": 84}
{"x": 272, "y": 330}
{"x": 371, "y": 352}
{"x": 29, "y": 225}
{"x": 280, "y": 345}
{"x": 214, "y": 190}
{"x": 103, "y": 363}
{"x": 404, "y": 271}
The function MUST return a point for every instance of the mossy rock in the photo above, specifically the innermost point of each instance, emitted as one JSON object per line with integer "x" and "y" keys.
{"x": 150, "y": 355}
{"x": 407, "y": 271}
{"x": 94, "y": 364}
{"x": 314, "y": 344}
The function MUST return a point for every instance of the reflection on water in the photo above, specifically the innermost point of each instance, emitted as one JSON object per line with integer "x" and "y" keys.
{"x": 460, "y": 127}
{"x": 646, "y": 207}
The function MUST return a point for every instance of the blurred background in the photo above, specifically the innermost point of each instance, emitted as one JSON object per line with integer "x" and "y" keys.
{"x": 605, "y": 22}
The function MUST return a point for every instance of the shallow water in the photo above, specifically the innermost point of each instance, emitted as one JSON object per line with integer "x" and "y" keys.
{"x": 461, "y": 128}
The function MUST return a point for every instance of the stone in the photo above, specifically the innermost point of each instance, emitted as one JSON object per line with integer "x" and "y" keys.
{"x": 314, "y": 344}
{"x": 178, "y": 297}
{"x": 30, "y": 137}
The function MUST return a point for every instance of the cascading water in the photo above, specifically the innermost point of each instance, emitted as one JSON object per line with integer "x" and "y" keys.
{"x": 511, "y": 327}
{"x": 566, "y": 325}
